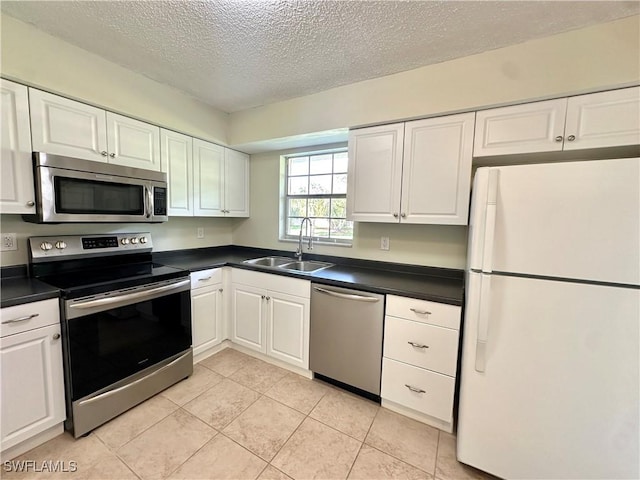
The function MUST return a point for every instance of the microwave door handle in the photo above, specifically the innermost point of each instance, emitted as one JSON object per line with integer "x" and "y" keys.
{"x": 149, "y": 202}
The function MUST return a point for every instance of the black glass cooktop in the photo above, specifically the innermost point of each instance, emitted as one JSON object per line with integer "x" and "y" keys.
{"x": 90, "y": 277}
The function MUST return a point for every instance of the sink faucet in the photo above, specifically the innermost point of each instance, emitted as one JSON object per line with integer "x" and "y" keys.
{"x": 310, "y": 246}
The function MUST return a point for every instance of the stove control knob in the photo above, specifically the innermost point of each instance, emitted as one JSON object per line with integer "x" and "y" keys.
{"x": 143, "y": 239}
{"x": 124, "y": 241}
{"x": 134, "y": 240}
{"x": 46, "y": 246}
{"x": 61, "y": 245}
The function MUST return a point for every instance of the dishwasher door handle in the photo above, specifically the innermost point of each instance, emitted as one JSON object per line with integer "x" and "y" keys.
{"x": 348, "y": 296}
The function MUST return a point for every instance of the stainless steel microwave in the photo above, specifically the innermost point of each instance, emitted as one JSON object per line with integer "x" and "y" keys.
{"x": 70, "y": 190}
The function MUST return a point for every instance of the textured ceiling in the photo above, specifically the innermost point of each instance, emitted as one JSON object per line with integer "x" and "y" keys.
{"x": 241, "y": 54}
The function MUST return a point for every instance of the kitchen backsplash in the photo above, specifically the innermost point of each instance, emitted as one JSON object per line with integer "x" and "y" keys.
{"x": 177, "y": 233}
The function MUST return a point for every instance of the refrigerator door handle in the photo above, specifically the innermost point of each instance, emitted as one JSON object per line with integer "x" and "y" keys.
{"x": 484, "y": 313}
{"x": 490, "y": 220}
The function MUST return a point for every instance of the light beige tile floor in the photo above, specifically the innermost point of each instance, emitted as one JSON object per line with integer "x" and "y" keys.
{"x": 237, "y": 417}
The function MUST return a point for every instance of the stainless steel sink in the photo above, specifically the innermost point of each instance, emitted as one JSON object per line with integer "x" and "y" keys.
{"x": 268, "y": 261}
{"x": 284, "y": 263}
{"x": 307, "y": 266}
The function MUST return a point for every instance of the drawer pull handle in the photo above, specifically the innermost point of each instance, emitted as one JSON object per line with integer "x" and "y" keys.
{"x": 418, "y": 345}
{"x": 414, "y": 389}
{"x": 420, "y": 312}
{"x": 21, "y": 319}
{"x": 204, "y": 279}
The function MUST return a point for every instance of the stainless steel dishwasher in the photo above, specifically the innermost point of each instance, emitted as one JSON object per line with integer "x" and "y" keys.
{"x": 346, "y": 336}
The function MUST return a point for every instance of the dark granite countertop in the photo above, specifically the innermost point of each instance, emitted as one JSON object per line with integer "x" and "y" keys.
{"x": 16, "y": 288}
{"x": 428, "y": 283}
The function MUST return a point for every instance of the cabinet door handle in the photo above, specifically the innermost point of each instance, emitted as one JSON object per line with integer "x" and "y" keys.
{"x": 418, "y": 345}
{"x": 30, "y": 203}
{"x": 112, "y": 155}
{"x": 414, "y": 389}
{"x": 21, "y": 319}
{"x": 420, "y": 312}
{"x": 268, "y": 298}
{"x": 571, "y": 138}
{"x": 221, "y": 290}
{"x": 395, "y": 215}
{"x": 56, "y": 336}
{"x": 403, "y": 215}
{"x": 104, "y": 153}
{"x": 264, "y": 297}
{"x": 559, "y": 138}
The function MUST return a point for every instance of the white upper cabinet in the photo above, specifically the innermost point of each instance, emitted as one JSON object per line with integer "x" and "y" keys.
{"x": 65, "y": 127}
{"x": 531, "y": 127}
{"x": 17, "y": 191}
{"x": 133, "y": 143}
{"x": 598, "y": 120}
{"x": 74, "y": 129}
{"x": 236, "y": 181}
{"x": 176, "y": 152}
{"x": 605, "y": 119}
{"x": 375, "y": 172}
{"x": 221, "y": 181}
{"x": 413, "y": 172}
{"x": 436, "y": 172}
{"x": 208, "y": 179}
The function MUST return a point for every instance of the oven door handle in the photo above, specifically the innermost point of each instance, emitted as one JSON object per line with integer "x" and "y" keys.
{"x": 127, "y": 298}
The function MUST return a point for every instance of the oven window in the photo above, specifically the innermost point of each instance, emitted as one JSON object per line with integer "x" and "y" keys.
{"x": 80, "y": 196}
{"x": 109, "y": 346}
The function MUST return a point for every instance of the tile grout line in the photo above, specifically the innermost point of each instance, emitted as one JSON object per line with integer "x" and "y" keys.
{"x": 435, "y": 464}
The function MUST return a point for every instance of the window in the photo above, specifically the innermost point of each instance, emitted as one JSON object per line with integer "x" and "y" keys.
{"x": 316, "y": 187}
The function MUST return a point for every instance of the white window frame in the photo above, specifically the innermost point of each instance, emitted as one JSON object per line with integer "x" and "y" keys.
{"x": 284, "y": 196}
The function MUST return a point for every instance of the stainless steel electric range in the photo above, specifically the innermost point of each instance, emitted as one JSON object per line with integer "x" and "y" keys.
{"x": 126, "y": 322}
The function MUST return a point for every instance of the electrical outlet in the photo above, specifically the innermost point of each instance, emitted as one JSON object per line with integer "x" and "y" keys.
{"x": 384, "y": 243}
{"x": 9, "y": 242}
{"x": 200, "y": 233}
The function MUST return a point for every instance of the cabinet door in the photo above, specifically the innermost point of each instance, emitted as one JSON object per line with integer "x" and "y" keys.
{"x": 436, "y": 172}
{"x": 32, "y": 384}
{"x": 65, "y": 127}
{"x": 206, "y": 317}
{"x": 288, "y": 329}
{"x": 133, "y": 143}
{"x": 208, "y": 179}
{"x": 375, "y": 171}
{"x": 17, "y": 191}
{"x": 247, "y": 307}
{"x": 527, "y": 128}
{"x": 605, "y": 119}
{"x": 176, "y": 153}
{"x": 236, "y": 184}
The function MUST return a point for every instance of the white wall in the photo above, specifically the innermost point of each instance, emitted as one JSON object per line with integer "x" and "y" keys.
{"x": 177, "y": 233}
{"x": 436, "y": 245}
{"x": 33, "y": 57}
{"x": 593, "y": 58}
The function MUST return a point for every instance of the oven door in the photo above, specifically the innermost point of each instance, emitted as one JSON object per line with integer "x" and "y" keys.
{"x": 115, "y": 335}
{"x": 77, "y": 196}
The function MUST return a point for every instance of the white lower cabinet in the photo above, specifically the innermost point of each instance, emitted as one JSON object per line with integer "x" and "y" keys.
{"x": 270, "y": 314}
{"x": 32, "y": 393}
{"x": 207, "y": 309}
{"x": 420, "y": 360}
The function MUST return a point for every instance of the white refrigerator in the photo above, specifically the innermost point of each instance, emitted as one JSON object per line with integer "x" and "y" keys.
{"x": 550, "y": 361}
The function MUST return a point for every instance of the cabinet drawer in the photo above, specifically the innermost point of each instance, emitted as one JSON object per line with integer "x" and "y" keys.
{"x": 272, "y": 282}
{"x": 424, "y": 311}
{"x": 432, "y": 395}
{"x": 203, "y": 278}
{"x": 28, "y": 316}
{"x": 435, "y": 348}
